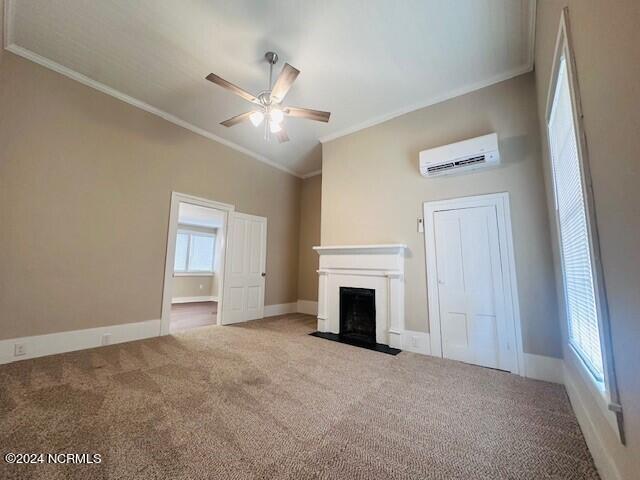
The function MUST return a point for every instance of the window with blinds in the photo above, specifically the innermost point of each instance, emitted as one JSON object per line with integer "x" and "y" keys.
{"x": 195, "y": 252}
{"x": 580, "y": 296}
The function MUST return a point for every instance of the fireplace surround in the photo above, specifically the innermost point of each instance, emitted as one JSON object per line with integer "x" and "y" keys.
{"x": 379, "y": 269}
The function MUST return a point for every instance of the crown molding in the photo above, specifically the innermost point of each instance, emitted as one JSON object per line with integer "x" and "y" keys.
{"x": 528, "y": 67}
{"x": 101, "y": 87}
{"x": 45, "y": 62}
{"x": 311, "y": 174}
{"x": 427, "y": 103}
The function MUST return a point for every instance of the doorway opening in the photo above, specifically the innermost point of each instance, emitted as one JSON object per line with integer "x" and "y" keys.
{"x": 195, "y": 263}
{"x": 215, "y": 266}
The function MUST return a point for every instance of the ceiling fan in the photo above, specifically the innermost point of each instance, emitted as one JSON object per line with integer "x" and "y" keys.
{"x": 268, "y": 103}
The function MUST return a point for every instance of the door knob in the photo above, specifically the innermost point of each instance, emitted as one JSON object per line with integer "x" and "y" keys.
{"x": 264, "y": 274}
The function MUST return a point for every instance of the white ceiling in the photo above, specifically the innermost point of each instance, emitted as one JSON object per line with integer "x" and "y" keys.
{"x": 364, "y": 60}
{"x": 189, "y": 214}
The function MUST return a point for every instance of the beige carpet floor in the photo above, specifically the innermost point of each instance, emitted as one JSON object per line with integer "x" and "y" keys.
{"x": 264, "y": 400}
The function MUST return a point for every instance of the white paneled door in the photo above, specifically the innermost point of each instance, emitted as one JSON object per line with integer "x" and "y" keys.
{"x": 473, "y": 324}
{"x": 245, "y": 268}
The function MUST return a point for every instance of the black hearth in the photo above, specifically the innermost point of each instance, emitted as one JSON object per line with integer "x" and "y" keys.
{"x": 358, "y": 321}
{"x": 358, "y": 315}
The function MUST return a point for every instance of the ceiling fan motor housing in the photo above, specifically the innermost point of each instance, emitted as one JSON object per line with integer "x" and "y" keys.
{"x": 272, "y": 57}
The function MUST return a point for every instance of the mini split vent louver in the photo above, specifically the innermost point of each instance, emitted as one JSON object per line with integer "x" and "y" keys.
{"x": 465, "y": 156}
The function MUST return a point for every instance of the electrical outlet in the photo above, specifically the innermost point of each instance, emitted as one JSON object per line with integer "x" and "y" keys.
{"x": 19, "y": 349}
{"x": 106, "y": 339}
{"x": 201, "y": 286}
{"x": 414, "y": 341}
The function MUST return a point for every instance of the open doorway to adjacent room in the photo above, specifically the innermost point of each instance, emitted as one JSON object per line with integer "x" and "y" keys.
{"x": 203, "y": 234}
{"x": 195, "y": 263}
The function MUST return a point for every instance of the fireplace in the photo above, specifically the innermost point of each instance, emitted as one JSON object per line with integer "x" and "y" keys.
{"x": 358, "y": 314}
{"x": 371, "y": 312}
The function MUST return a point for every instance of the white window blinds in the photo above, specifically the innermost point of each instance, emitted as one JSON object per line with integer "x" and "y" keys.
{"x": 195, "y": 252}
{"x": 182, "y": 252}
{"x": 580, "y": 298}
{"x": 201, "y": 253}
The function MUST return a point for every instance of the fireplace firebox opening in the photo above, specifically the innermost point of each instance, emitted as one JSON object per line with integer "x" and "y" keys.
{"x": 358, "y": 314}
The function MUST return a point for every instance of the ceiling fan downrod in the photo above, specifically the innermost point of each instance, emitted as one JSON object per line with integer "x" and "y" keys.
{"x": 272, "y": 58}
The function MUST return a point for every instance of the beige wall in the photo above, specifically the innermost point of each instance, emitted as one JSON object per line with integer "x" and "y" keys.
{"x": 372, "y": 192}
{"x": 607, "y": 53}
{"x": 309, "y": 237}
{"x": 192, "y": 286}
{"x": 85, "y": 189}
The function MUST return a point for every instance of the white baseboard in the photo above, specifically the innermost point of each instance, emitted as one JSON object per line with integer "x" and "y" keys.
{"x": 52, "y": 343}
{"x": 539, "y": 367}
{"x": 604, "y": 463}
{"x": 280, "y": 309}
{"x": 206, "y": 298}
{"x": 417, "y": 342}
{"x": 308, "y": 306}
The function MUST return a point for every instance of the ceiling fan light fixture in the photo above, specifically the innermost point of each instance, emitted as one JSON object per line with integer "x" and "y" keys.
{"x": 276, "y": 115}
{"x": 268, "y": 103}
{"x": 256, "y": 118}
{"x": 274, "y": 127}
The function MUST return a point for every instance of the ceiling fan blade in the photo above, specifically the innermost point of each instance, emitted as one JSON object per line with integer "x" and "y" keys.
{"x": 286, "y": 78}
{"x": 282, "y": 136}
{"x": 308, "y": 113}
{"x": 212, "y": 77}
{"x": 243, "y": 117}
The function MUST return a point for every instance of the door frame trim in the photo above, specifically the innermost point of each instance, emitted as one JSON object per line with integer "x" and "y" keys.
{"x": 501, "y": 202}
{"x": 167, "y": 290}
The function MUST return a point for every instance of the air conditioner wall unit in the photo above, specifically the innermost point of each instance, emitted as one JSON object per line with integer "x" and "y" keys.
{"x": 460, "y": 157}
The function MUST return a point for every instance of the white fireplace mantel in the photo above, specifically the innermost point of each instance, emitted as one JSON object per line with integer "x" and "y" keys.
{"x": 378, "y": 267}
{"x": 354, "y": 249}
